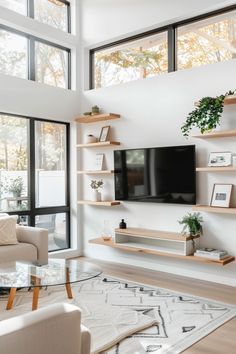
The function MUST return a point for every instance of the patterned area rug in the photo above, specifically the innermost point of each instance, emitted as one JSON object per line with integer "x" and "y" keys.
{"x": 113, "y": 309}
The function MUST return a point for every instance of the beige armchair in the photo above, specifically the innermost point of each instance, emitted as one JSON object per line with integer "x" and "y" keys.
{"x": 55, "y": 329}
{"x": 32, "y": 246}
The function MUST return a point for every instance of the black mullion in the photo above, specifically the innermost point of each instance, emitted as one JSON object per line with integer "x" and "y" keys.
{"x": 67, "y": 166}
{"x": 91, "y": 69}
{"x": 31, "y": 8}
{"x": 171, "y": 49}
{"x": 68, "y": 241}
{"x": 68, "y": 8}
{"x": 69, "y": 70}
{"x": 32, "y": 172}
{"x": 32, "y": 59}
{"x": 51, "y": 210}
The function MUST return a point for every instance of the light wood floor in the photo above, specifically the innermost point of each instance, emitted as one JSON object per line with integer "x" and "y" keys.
{"x": 222, "y": 340}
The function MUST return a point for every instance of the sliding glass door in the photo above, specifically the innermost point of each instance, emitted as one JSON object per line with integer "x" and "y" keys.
{"x": 34, "y": 175}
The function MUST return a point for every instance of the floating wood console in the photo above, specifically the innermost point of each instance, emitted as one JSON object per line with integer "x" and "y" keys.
{"x": 111, "y": 243}
{"x": 97, "y": 118}
{"x": 99, "y": 144}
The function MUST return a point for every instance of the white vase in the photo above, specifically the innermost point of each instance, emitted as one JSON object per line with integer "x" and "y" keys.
{"x": 96, "y": 195}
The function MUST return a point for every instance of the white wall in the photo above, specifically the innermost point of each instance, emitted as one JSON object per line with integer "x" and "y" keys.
{"x": 152, "y": 112}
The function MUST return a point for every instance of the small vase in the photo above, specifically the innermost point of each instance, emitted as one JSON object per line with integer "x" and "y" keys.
{"x": 96, "y": 195}
{"x": 106, "y": 232}
{"x": 90, "y": 139}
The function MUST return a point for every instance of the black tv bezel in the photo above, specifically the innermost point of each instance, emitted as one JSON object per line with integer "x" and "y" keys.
{"x": 153, "y": 201}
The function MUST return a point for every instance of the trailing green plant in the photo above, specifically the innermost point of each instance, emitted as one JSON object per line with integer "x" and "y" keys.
{"x": 192, "y": 224}
{"x": 15, "y": 186}
{"x": 207, "y": 114}
{"x": 96, "y": 184}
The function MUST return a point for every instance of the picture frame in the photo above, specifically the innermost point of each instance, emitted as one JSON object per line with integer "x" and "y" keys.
{"x": 99, "y": 160}
{"x": 104, "y": 133}
{"x": 220, "y": 159}
{"x": 221, "y": 195}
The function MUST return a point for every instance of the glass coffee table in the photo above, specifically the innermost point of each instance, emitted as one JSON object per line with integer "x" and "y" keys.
{"x": 14, "y": 275}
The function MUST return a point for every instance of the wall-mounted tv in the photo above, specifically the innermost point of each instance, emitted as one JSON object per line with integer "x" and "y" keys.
{"x": 159, "y": 175}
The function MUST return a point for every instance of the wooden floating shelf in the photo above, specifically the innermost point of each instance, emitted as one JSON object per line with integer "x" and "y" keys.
{"x": 99, "y": 144}
{"x": 215, "y": 169}
{"x": 217, "y": 134}
{"x": 210, "y": 209}
{"x": 168, "y": 235}
{"x": 102, "y": 172}
{"x": 228, "y": 100}
{"x": 97, "y": 118}
{"x": 108, "y": 203}
{"x": 111, "y": 243}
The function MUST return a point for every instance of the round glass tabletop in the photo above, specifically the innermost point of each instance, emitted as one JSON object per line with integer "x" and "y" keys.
{"x": 56, "y": 272}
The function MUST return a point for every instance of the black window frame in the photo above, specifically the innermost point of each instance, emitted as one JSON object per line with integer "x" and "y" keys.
{"x": 31, "y": 53}
{"x": 171, "y": 30}
{"x": 34, "y": 211}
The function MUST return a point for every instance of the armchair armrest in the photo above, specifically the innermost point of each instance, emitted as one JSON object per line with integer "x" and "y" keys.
{"x": 85, "y": 340}
{"x": 37, "y": 237}
{"x": 53, "y": 329}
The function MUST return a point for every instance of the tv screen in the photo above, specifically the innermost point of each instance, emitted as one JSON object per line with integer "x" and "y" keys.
{"x": 159, "y": 175}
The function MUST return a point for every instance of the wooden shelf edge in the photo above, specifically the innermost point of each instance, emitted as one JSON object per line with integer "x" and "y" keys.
{"x": 98, "y": 144}
{"x": 216, "y": 134}
{"x": 102, "y": 172}
{"x": 154, "y": 234}
{"x": 231, "y": 99}
{"x": 110, "y": 243}
{"x": 97, "y": 118}
{"x": 210, "y": 209}
{"x": 108, "y": 203}
{"x": 215, "y": 169}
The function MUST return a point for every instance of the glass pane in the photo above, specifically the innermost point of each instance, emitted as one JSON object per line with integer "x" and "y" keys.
{"x": 56, "y": 226}
{"x": 19, "y": 6}
{"x": 23, "y": 220}
{"x": 51, "y": 65}
{"x": 140, "y": 59}
{"x": 13, "y": 54}
{"x": 13, "y": 163}
{"x": 51, "y": 12}
{"x": 50, "y": 160}
{"x": 206, "y": 42}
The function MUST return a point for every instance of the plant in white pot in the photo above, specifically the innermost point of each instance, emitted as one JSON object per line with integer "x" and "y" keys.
{"x": 96, "y": 185}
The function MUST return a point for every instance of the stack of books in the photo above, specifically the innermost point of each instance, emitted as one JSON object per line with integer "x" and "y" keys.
{"x": 211, "y": 253}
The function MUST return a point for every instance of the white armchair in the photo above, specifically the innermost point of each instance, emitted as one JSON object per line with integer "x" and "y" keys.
{"x": 32, "y": 246}
{"x": 55, "y": 329}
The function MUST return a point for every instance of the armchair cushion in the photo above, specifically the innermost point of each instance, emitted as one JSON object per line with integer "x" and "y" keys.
{"x": 8, "y": 230}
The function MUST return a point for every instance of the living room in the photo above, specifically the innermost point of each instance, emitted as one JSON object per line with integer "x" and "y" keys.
{"x": 114, "y": 266}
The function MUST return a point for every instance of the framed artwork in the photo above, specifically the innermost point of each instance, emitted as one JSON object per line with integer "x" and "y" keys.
{"x": 104, "y": 133}
{"x": 221, "y": 195}
{"x": 99, "y": 158}
{"x": 220, "y": 159}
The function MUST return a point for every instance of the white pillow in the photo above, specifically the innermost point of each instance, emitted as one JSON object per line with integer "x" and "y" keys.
{"x": 8, "y": 230}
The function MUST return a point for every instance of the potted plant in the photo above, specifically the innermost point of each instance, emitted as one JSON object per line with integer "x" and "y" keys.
{"x": 96, "y": 185}
{"x": 15, "y": 186}
{"x": 192, "y": 224}
{"x": 207, "y": 115}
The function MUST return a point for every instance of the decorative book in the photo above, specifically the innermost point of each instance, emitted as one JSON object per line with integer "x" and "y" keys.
{"x": 211, "y": 253}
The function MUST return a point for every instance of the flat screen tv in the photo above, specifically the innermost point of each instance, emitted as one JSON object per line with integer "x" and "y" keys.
{"x": 158, "y": 175}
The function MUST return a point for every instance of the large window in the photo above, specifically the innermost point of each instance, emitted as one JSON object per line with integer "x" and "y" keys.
{"x": 26, "y": 56}
{"x": 55, "y": 13}
{"x": 143, "y": 58}
{"x": 34, "y": 174}
{"x": 206, "y": 39}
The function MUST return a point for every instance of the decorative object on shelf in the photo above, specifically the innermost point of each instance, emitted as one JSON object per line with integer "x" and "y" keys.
{"x": 99, "y": 159}
{"x": 89, "y": 139}
{"x": 221, "y": 195}
{"x": 104, "y": 133}
{"x": 87, "y": 113}
{"x": 106, "y": 231}
{"x": 207, "y": 115}
{"x": 96, "y": 185}
{"x": 122, "y": 224}
{"x": 220, "y": 159}
{"x": 192, "y": 223}
{"x": 211, "y": 253}
{"x": 95, "y": 110}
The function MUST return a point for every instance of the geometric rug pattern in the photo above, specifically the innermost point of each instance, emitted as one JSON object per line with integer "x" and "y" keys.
{"x": 180, "y": 319}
